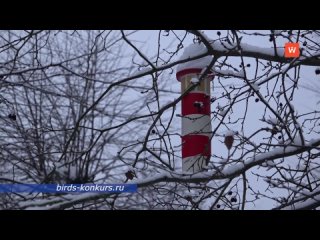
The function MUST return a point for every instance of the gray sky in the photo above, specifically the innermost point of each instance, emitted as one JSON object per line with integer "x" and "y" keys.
{"x": 304, "y": 100}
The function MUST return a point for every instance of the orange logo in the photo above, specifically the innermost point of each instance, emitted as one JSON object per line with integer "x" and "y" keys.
{"x": 291, "y": 50}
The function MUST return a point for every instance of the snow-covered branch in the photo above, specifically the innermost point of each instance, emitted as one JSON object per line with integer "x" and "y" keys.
{"x": 223, "y": 48}
{"x": 227, "y": 173}
{"x": 304, "y": 203}
{"x": 106, "y": 107}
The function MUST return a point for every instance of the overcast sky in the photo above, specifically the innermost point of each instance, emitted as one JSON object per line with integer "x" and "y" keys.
{"x": 304, "y": 100}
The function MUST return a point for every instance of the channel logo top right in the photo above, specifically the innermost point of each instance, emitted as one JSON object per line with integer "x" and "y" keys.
{"x": 291, "y": 50}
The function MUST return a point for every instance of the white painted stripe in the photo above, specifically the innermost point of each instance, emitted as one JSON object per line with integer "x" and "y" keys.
{"x": 201, "y": 92}
{"x": 196, "y": 124}
{"x": 197, "y": 91}
{"x": 194, "y": 163}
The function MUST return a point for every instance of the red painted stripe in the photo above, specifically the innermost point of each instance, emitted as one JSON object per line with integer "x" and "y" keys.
{"x": 190, "y": 71}
{"x": 187, "y": 71}
{"x": 188, "y": 106}
{"x": 195, "y": 144}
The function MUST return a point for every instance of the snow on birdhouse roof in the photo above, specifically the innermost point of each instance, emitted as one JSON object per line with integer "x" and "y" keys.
{"x": 194, "y": 50}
